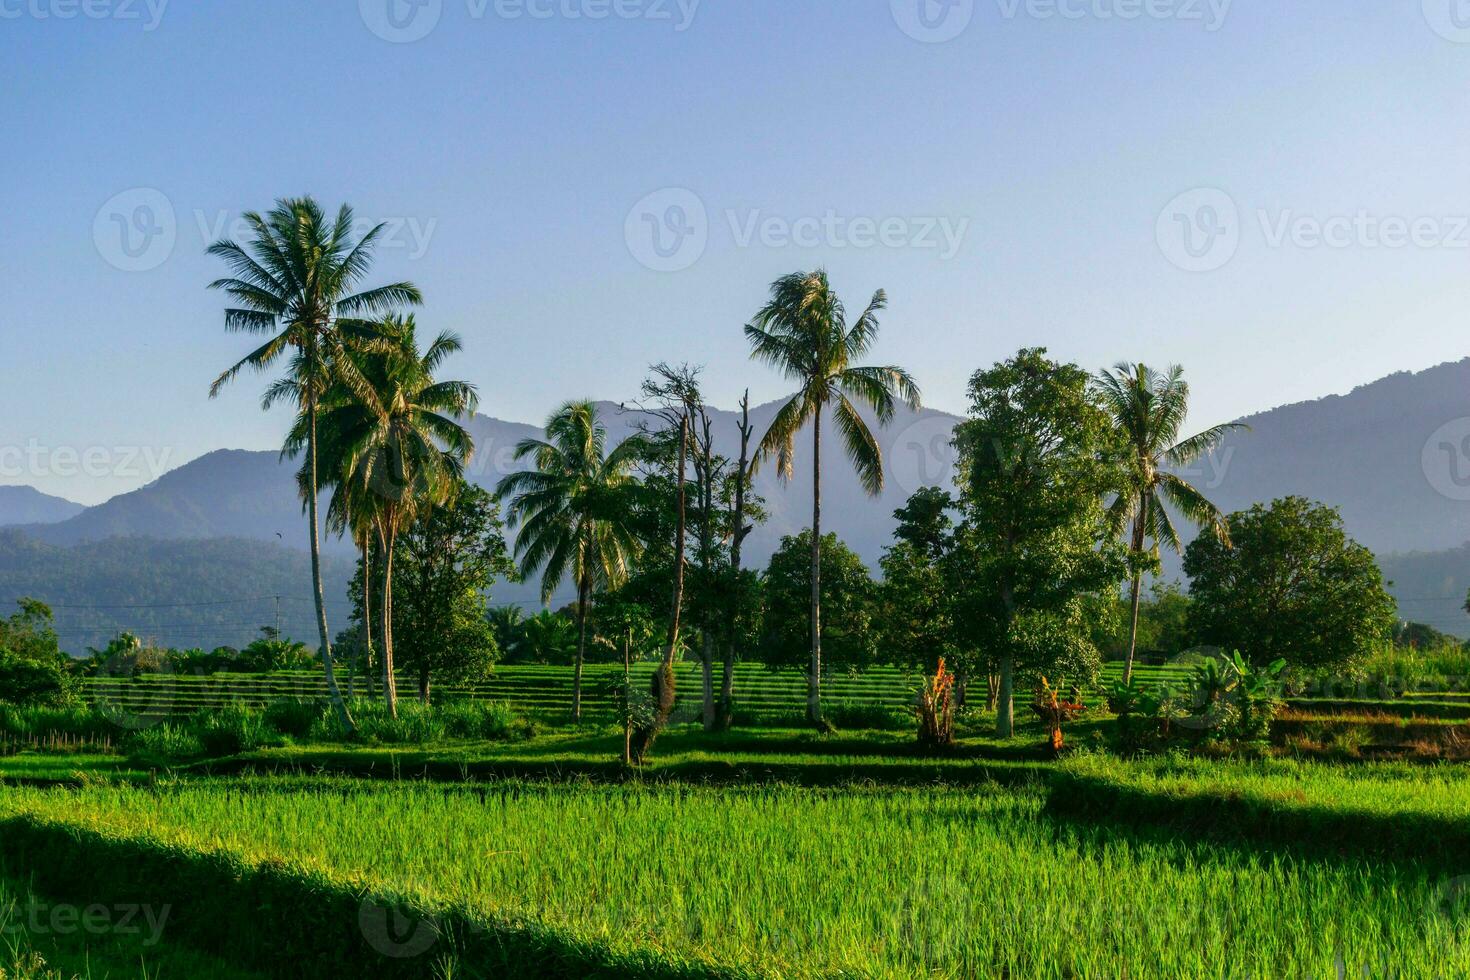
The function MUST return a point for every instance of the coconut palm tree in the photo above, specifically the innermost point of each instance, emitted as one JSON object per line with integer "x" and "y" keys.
{"x": 803, "y": 332}
{"x": 395, "y": 446}
{"x": 1149, "y": 407}
{"x": 297, "y": 282}
{"x": 574, "y": 512}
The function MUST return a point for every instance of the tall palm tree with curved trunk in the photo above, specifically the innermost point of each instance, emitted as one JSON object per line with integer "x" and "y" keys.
{"x": 395, "y": 446}
{"x": 803, "y": 332}
{"x": 1149, "y": 407}
{"x": 297, "y": 281}
{"x": 574, "y": 512}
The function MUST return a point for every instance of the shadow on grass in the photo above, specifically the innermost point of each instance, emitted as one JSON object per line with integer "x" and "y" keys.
{"x": 286, "y": 922}
{"x": 1256, "y": 826}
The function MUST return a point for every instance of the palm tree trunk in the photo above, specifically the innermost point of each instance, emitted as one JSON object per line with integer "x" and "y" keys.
{"x": 707, "y": 669}
{"x": 662, "y": 684}
{"x": 318, "y": 592}
{"x": 367, "y": 612}
{"x": 736, "y": 598}
{"x": 583, "y": 590}
{"x": 628, "y": 698}
{"x": 390, "y": 678}
{"x": 814, "y": 682}
{"x": 1138, "y": 540}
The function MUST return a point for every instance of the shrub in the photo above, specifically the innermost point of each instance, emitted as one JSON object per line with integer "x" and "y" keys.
{"x": 415, "y": 724}
{"x": 231, "y": 730}
{"x": 859, "y": 715}
{"x": 936, "y": 710}
{"x": 17, "y": 723}
{"x": 167, "y": 742}
{"x": 293, "y": 716}
{"x": 491, "y": 720}
{"x": 1225, "y": 700}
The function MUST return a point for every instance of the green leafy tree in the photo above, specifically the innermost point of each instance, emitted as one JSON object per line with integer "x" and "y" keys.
{"x": 1149, "y": 408}
{"x": 916, "y": 628}
{"x": 396, "y": 448}
{"x": 447, "y": 562}
{"x": 1037, "y": 455}
{"x": 849, "y": 597}
{"x": 506, "y": 623}
{"x": 548, "y": 638}
{"x": 296, "y": 282}
{"x": 804, "y": 333}
{"x": 271, "y": 652}
{"x": 33, "y": 670}
{"x": 1293, "y": 587}
{"x": 572, "y": 513}
{"x": 1162, "y": 624}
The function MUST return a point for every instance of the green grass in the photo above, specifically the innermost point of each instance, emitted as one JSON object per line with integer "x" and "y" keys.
{"x": 979, "y": 881}
{"x": 42, "y": 939}
{"x": 544, "y": 691}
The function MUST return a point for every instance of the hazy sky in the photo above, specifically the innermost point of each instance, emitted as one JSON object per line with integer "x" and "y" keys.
{"x": 1272, "y": 194}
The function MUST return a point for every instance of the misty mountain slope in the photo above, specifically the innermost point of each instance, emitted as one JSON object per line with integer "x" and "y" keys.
{"x": 27, "y": 505}
{"x": 180, "y": 593}
{"x": 252, "y": 495}
{"x": 230, "y": 493}
{"x": 1393, "y": 455}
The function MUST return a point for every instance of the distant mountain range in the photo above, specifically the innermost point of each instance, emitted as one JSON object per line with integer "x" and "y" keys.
{"x": 1394, "y": 455}
{"x": 27, "y": 505}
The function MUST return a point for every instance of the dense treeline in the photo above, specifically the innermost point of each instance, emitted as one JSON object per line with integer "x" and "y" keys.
{"x": 1065, "y": 495}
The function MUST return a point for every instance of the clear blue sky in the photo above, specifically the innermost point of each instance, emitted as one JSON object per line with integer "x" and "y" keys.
{"x": 517, "y": 148}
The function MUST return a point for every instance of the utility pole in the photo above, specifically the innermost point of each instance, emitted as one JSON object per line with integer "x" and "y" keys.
{"x": 278, "y": 617}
